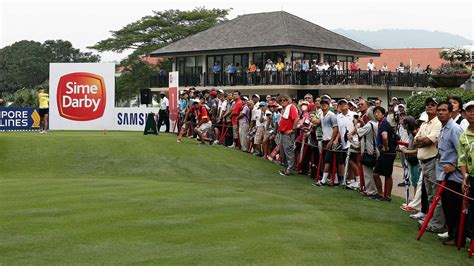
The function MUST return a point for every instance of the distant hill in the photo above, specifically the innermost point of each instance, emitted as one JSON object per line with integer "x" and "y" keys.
{"x": 392, "y": 38}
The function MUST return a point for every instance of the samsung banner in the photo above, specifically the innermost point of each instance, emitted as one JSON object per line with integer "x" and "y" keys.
{"x": 82, "y": 96}
{"x": 19, "y": 119}
{"x": 132, "y": 119}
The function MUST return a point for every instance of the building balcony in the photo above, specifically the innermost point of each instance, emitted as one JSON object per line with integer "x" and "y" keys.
{"x": 269, "y": 78}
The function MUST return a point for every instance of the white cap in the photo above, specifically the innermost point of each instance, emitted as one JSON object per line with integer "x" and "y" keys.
{"x": 304, "y": 102}
{"x": 401, "y": 105}
{"x": 256, "y": 95}
{"x": 220, "y": 91}
{"x": 468, "y": 104}
{"x": 196, "y": 100}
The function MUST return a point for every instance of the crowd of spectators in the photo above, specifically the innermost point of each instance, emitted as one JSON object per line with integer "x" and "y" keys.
{"x": 351, "y": 143}
{"x": 302, "y": 72}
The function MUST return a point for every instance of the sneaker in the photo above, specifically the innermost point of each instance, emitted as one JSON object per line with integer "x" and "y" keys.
{"x": 401, "y": 184}
{"x": 376, "y": 197}
{"x": 319, "y": 184}
{"x": 284, "y": 173}
{"x": 387, "y": 199}
{"x": 178, "y": 140}
{"x": 418, "y": 216}
{"x": 443, "y": 236}
{"x": 231, "y": 146}
{"x": 407, "y": 208}
{"x": 216, "y": 142}
{"x": 354, "y": 185}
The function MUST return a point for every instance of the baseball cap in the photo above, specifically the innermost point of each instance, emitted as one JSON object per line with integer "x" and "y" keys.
{"x": 195, "y": 101}
{"x": 261, "y": 104}
{"x": 401, "y": 105}
{"x": 304, "y": 102}
{"x": 272, "y": 104}
{"x": 353, "y": 104}
{"x": 213, "y": 93}
{"x": 394, "y": 98}
{"x": 431, "y": 99}
{"x": 468, "y": 104}
{"x": 342, "y": 101}
{"x": 220, "y": 91}
{"x": 326, "y": 96}
{"x": 325, "y": 100}
{"x": 245, "y": 98}
{"x": 256, "y": 95}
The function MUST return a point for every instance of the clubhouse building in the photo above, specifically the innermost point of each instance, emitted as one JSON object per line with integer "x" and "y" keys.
{"x": 280, "y": 53}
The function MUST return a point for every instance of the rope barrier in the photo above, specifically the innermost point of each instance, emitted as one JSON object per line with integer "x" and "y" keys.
{"x": 455, "y": 192}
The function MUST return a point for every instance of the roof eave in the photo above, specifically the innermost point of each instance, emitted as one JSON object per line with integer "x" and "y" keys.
{"x": 262, "y": 48}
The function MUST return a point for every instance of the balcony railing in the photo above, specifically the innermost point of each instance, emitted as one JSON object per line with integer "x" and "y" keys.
{"x": 339, "y": 77}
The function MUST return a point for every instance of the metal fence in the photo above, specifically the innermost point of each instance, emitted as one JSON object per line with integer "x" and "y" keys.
{"x": 335, "y": 77}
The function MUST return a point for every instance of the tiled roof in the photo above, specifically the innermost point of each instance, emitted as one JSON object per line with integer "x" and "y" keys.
{"x": 393, "y": 57}
{"x": 265, "y": 30}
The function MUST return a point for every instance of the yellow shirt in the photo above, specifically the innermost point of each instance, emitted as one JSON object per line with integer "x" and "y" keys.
{"x": 280, "y": 66}
{"x": 43, "y": 100}
{"x": 431, "y": 130}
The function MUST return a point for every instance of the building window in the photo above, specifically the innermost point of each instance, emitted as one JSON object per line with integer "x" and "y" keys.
{"x": 330, "y": 57}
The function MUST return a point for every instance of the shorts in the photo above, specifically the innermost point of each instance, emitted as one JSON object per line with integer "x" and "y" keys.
{"x": 384, "y": 164}
{"x": 204, "y": 128}
{"x": 259, "y": 135}
{"x": 342, "y": 155}
{"x": 43, "y": 111}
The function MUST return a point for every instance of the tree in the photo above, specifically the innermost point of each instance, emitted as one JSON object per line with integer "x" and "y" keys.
{"x": 25, "y": 64}
{"x": 163, "y": 27}
{"x": 134, "y": 77}
{"x": 62, "y": 52}
{"x": 416, "y": 102}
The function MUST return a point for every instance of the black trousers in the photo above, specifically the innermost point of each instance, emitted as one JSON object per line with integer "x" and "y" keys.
{"x": 306, "y": 164}
{"x": 163, "y": 118}
{"x": 452, "y": 205}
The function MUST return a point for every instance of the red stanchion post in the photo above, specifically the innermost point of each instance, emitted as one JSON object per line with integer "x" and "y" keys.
{"x": 462, "y": 219}
{"x": 320, "y": 161}
{"x": 361, "y": 173}
{"x": 431, "y": 211}
{"x": 334, "y": 168}
{"x": 471, "y": 249}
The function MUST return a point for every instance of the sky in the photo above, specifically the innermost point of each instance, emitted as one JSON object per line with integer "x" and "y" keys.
{"x": 85, "y": 22}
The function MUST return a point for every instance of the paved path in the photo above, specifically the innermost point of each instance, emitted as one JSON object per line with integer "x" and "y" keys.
{"x": 397, "y": 178}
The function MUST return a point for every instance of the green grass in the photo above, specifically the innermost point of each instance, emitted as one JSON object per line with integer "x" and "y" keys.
{"x": 119, "y": 198}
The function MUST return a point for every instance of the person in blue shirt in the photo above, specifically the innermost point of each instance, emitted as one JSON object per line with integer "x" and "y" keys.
{"x": 447, "y": 170}
{"x": 216, "y": 70}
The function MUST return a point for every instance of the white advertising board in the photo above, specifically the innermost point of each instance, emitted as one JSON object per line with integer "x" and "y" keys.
{"x": 82, "y": 96}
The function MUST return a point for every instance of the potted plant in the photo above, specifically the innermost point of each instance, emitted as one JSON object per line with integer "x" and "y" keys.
{"x": 455, "y": 73}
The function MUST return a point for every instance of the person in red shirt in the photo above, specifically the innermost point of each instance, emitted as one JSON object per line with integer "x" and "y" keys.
{"x": 204, "y": 121}
{"x": 235, "y": 113}
{"x": 288, "y": 123}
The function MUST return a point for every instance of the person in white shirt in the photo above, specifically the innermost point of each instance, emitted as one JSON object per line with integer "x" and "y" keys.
{"x": 456, "y": 113}
{"x": 348, "y": 136}
{"x": 164, "y": 113}
{"x": 401, "y": 68}
{"x": 371, "y": 65}
{"x": 384, "y": 67}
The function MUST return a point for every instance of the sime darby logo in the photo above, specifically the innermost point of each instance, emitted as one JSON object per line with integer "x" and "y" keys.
{"x": 81, "y": 96}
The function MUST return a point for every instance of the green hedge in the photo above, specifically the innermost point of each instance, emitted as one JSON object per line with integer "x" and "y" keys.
{"x": 416, "y": 103}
